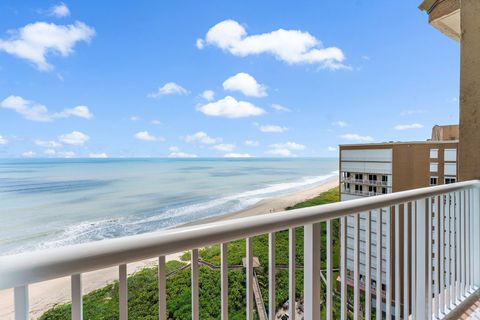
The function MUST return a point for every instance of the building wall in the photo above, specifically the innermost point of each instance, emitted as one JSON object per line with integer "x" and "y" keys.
{"x": 406, "y": 166}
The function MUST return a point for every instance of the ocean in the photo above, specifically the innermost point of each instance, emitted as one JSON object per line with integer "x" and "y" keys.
{"x": 48, "y": 203}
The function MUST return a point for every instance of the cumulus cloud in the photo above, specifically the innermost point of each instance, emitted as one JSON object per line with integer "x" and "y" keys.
{"x": 35, "y": 41}
{"x": 29, "y": 154}
{"x": 66, "y": 154}
{"x": 74, "y": 138}
{"x": 409, "y": 112}
{"x": 237, "y": 155}
{"x": 3, "y": 140}
{"x": 208, "y": 95}
{"x": 201, "y": 137}
{"x": 48, "y": 143}
{"x": 341, "y": 124}
{"x": 356, "y": 137}
{"x": 102, "y": 155}
{"x": 281, "y": 108}
{"x": 169, "y": 89}
{"x": 332, "y": 149}
{"x": 290, "y": 46}
{"x": 229, "y": 107}
{"x": 285, "y": 149}
{"x": 135, "y": 118}
{"x": 224, "y": 147}
{"x": 246, "y": 84}
{"x": 50, "y": 152}
{"x": 408, "y": 126}
{"x": 280, "y": 152}
{"x": 288, "y": 145}
{"x": 146, "y": 136}
{"x": 176, "y": 153}
{"x": 269, "y": 128}
{"x": 60, "y": 10}
{"x": 252, "y": 143}
{"x": 33, "y": 111}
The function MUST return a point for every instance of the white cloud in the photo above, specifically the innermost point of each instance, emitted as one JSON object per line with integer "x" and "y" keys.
{"x": 66, "y": 154}
{"x": 246, "y": 84}
{"x": 278, "y": 107}
{"x": 237, "y": 155}
{"x": 74, "y": 138}
{"x": 366, "y": 58}
{"x": 280, "y": 152}
{"x": 135, "y": 118}
{"x": 341, "y": 124}
{"x": 102, "y": 155}
{"x": 169, "y": 89}
{"x": 50, "y": 152}
{"x": 33, "y": 111}
{"x": 80, "y": 111}
{"x": 332, "y": 149}
{"x": 224, "y": 147}
{"x": 285, "y": 149}
{"x": 156, "y": 122}
{"x": 408, "y": 126}
{"x": 229, "y": 107}
{"x": 48, "y": 144}
{"x": 181, "y": 155}
{"x": 35, "y": 41}
{"x": 208, "y": 95}
{"x": 356, "y": 137}
{"x": 145, "y": 136}
{"x": 201, "y": 137}
{"x": 252, "y": 143}
{"x": 272, "y": 128}
{"x": 174, "y": 149}
{"x": 28, "y": 154}
{"x": 412, "y": 111}
{"x": 290, "y": 46}
{"x": 288, "y": 145}
{"x": 3, "y": 140}
{"x": 60, "y": 10}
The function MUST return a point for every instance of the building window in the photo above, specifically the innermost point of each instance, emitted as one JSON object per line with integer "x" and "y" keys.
{"x": 433, "y": 181}
{"x": 358, "y": 176}
{"x": 372, "y": 189}
{"x": 384, "y": 179}
{"x": 384, "y": 190}
{"x": 450, "y": 180}
{"x": 433, "y": 167}
{"x": 372, "y": 177}
{"x": 433, "y": 153}
{"x": 450, "y": 155}
{"x": 358, "y": 188}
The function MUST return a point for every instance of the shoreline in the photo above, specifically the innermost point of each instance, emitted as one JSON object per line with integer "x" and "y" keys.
{"x": 45, "y": 295}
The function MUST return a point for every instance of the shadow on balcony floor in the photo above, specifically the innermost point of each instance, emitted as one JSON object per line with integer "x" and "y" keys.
{"x": 469, "y": 309}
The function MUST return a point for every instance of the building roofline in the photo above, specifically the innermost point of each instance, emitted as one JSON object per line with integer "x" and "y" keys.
{"x": 399, "y": 142}
{"x": 427, "y": 5}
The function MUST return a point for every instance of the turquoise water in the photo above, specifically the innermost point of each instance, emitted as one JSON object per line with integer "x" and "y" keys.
{"x": 50, "y": 202}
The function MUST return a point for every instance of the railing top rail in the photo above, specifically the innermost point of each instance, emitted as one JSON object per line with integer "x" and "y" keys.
{"x": 20, "y": 269}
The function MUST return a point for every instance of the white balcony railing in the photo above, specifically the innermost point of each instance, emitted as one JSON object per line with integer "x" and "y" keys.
{"x": 419, "y": 285}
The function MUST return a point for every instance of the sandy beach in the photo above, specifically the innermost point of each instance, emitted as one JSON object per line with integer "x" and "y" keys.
{"x": 45, "y": 295}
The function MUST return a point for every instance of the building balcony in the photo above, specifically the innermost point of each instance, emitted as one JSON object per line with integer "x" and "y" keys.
{"x": 416, "y": 285}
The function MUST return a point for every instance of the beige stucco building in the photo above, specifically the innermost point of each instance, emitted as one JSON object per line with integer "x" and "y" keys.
{"x": 381, "y": 168}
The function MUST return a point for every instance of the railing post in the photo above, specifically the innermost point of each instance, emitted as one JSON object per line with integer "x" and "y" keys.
{"x": 476, "y": 236}
{"x": 421, "y": 263}
{"x": 21, "y": 303}
{"x": 311, "y": 271}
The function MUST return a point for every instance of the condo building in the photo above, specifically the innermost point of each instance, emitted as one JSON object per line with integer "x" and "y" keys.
{"x": 381, "y": 168}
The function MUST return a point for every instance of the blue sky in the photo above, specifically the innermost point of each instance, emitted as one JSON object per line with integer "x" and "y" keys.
{"x": 103, "y": 78}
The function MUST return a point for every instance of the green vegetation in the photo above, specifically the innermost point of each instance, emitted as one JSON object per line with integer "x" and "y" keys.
{"x": 143, "y": 285}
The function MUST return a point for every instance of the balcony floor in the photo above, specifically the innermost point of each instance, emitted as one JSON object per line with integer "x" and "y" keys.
{"x": 469, "y": 309}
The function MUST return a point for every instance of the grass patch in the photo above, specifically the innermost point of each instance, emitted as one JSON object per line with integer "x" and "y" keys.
{"x": 143, "y": 285}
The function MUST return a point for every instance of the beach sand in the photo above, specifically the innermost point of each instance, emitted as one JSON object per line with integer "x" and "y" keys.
{"x": 45, "y": 295}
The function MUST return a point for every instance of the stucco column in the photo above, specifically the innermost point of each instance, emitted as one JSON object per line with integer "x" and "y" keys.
{"x": 469, "y": 146}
